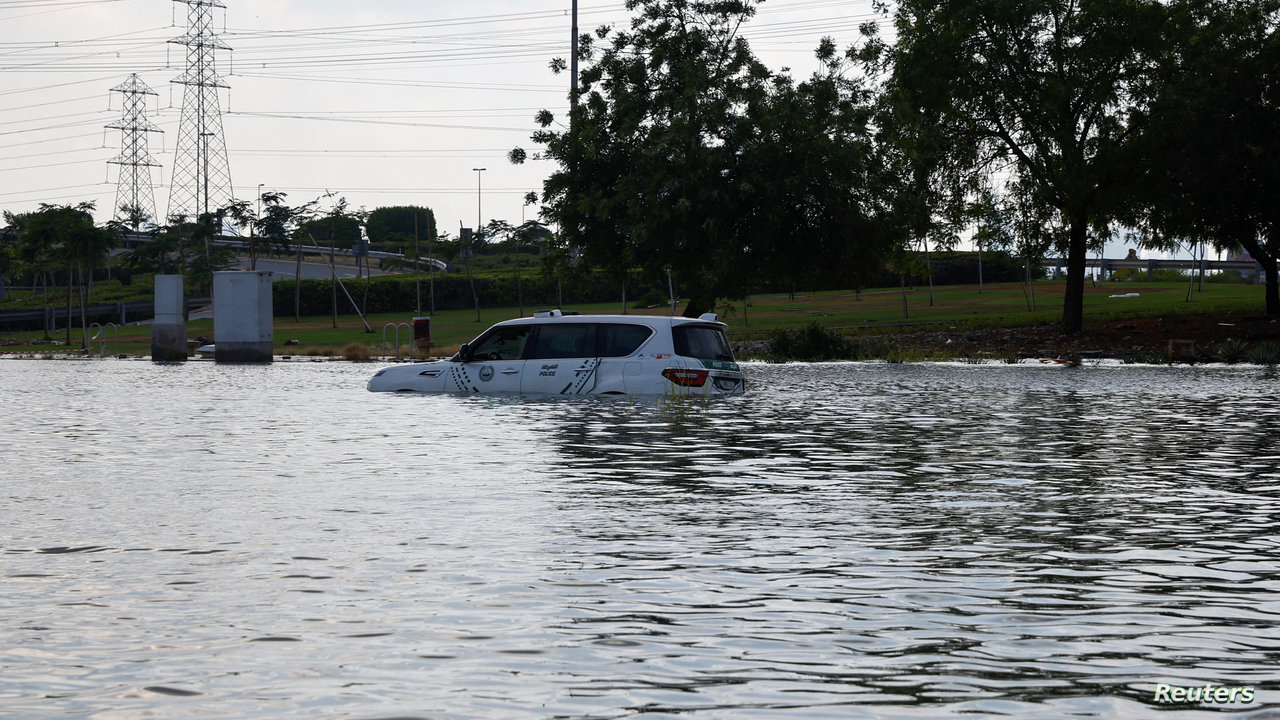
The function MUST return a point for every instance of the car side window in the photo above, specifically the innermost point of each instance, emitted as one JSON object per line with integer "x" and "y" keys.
{"x": 620, "y": 340}
{"x": 576, "y": 340}
{"x": 504, "y": 343}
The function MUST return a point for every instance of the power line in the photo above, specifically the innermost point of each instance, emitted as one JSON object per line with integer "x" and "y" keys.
{"x": 367, "y": 121}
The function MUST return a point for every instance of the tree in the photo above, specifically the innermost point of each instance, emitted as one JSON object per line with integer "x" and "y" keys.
{"x": 813, "y": 186}
{"x": 642, "y": 179}
{"x": 339, "y": 227}
{"x": 8, "y": 259}
{"x": 687, "y": 156}
{"x": 281, "y": 227}
{"x": 207, "y": 257}
{"x": 1040, "y": 89}
{"x": 1212, "y": 154}
{"x": 275, "y": 222}
{"x": 63, "y": 236}
{"x": 393, "y": 228}
{"x": 161, "y": 254}
{"x": 34, "y": 252}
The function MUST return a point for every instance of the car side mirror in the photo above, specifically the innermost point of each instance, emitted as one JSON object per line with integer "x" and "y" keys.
{"x": 464, "y": 353}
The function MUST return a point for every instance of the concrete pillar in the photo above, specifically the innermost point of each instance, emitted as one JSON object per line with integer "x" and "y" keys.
{"x": 243, "y": 330}
{"x": 168, "y": 330}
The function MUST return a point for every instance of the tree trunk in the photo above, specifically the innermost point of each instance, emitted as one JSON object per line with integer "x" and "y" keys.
{"x": 1077, "y": 255}
{"x": 1269, "y": 268}
{"x": 902, "y": 279}
{"x": 84, "y": 329}
{"x": 44, "y": 295}
{"x": 979, "y": 268}
{"x": 297, "y": 286}
{"x": 333, "y": 280}
{"x": 928, "y": 268}
{"x": 417, "y": 269}
{"x": 699, "y": 303}
{"x": 69, "y": 316}
{"x": 1273, "y": 287}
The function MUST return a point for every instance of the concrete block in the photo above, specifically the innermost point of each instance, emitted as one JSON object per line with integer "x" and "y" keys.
{"x": 168, "y": 330}
{"x": 243, "y": 330}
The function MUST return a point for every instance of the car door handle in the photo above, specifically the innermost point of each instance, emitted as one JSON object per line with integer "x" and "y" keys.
{"x": 511, "y": 371}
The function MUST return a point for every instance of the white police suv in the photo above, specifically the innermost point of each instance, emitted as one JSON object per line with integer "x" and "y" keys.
{"x": 557, "y": 353}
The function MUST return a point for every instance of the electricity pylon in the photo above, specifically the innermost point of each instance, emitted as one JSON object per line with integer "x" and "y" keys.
{"x": 135, "y": 199}
{"x": 201, "y": 178}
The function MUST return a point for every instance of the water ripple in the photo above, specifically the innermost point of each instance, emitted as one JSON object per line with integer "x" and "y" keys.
{"x": 848, "y": 540}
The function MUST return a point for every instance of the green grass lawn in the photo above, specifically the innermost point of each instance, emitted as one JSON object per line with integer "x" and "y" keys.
{"x": 998, "y": 305}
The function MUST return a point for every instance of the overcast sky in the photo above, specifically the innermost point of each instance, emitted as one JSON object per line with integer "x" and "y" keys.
{"x": 384, "y": 102}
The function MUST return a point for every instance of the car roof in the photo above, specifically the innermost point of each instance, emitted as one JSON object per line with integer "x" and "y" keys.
{"x": 650, "y": 320}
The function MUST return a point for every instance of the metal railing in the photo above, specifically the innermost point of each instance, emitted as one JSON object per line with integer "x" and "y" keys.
{"x": 102, "y": 344}
{"x": 397, "y": 326}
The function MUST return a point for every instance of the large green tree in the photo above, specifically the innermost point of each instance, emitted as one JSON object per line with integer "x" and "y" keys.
{"x": 813, "y": 188}
{"x": 684, "y": 154}
{"x": 394, "y": 228}
{"x": 1040, "y": 90}
{"x": 643, "y": 176}
{"x": 1210, "y": 169}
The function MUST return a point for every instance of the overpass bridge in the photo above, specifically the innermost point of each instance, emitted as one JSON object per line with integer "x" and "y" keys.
{"x": 241, "y": 246}
{"x": 1108, "y": 266}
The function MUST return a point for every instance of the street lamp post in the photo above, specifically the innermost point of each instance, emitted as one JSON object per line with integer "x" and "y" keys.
{"x": 253, "y": 241}
{"x": 467, "y": 251}
{"x": 478, "y": 214}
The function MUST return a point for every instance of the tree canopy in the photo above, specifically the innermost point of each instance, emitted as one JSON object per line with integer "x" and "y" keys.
{"x": 394, "y": 227}
{"x": 1209, "y": 167}
{"x": 685, "y": 154}
{"x": 1038, "y": 90}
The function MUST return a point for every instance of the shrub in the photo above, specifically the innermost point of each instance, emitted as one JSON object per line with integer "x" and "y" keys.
{"x": 1232, "y": 350}
{"x": 357, "y": 352}
{"x": 397, "y": 293}
{"x": 1170, "y": 275}
{"x": 812, "y": 342}
{"x": 1267, "y": 353}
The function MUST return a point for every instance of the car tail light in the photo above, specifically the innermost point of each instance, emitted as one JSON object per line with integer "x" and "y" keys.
{"x": 686, "y": 378}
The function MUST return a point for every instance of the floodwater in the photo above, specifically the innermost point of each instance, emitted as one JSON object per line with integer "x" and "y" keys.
{"x": 845, "y": 541}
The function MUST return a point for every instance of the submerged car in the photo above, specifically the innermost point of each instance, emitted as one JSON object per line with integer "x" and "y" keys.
{"x": 559, "y": 353}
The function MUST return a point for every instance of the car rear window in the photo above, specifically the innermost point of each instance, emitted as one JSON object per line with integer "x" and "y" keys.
{"x": 617, "y": 340}
{"x": 703, "y": 342}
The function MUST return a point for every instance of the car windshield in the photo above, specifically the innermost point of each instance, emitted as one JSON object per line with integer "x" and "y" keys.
{"x": 703, "y": 342}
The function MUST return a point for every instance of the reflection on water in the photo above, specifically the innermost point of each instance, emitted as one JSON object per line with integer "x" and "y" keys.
{"x": 847, "y": 540}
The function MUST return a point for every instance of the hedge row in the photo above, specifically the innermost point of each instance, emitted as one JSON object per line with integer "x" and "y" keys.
{"x": 397, "y": 293}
